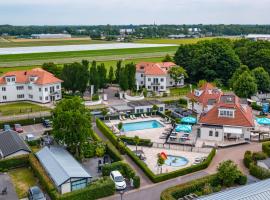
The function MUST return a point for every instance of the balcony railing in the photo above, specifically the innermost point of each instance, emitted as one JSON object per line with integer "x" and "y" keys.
{"x": 155, "y": 83}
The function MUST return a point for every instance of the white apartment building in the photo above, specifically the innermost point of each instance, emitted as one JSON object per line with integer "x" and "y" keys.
{"x": 35, "y": 85}
{"x": 155, "y": 76}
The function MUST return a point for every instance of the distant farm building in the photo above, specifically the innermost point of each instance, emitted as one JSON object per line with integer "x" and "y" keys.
{"x": 50, "y": 36}
{"x": 256, "y": 37}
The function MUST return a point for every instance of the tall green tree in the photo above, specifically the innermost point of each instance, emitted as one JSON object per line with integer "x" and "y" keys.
{"x": 72, "y": 124}
{"x": 69, "y": 77}
{"x": 245, "y": 86}
{"x": 262, "y": 79}
{"x": 102, "y": 74}
{"x": 131, "y": 73}
{"x": 111, "y": 75}
{"x": 118, "y": 71}
{"x": 167, "y": 58}
{"x": 85, "y": 63}
{"x": 177, "y": 73}
{"x": 240, "y": 70}
{"x": 94, "y": 76}
{"x": 52, "y": 68}
{"x": 123, "y": 79}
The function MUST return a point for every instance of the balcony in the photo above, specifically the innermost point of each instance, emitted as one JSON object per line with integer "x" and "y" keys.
{"x": 155, "y": 83}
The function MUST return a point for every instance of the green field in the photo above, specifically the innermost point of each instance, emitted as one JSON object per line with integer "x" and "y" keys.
{"x": 173, "y": 41}
{"x": 107, "y": 64}
{"x": 20, "y": 108}
{"x": 98, "y": 55}
{"x": 53, "y": 42}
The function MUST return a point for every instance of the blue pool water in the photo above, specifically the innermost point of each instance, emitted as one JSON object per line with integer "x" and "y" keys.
{"x": 176, "y": 161}
{"x": 134, "y": 126}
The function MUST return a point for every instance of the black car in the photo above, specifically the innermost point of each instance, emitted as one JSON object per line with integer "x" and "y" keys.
{"x": 35, "y": 193}
{"x": 47, "y": 123}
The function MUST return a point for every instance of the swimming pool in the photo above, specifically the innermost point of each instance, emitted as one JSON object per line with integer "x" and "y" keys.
{"x": 176, "y": 161}
{"x": 134, "y": 126}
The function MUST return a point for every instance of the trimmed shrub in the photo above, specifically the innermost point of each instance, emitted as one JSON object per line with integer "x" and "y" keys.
{"x": 131, "y": 141}
{"x": 107, "y": 132}
{"x": 24, "y": 122}
{"x": 136, "y": 181}
{"x": 95, "y": 97}
{"x": 242, "y": 180}
{"x": 101, "y": 188}
{"x": 124, "y": 169}
{"x": 259, "y": 172}
{"x": 266, "y": 148}
{"x": 14, "y": 162}
{"x": 259, "y": 156}
{"x": 182, "y": 101}
{"x": 255, "y": 106}
{"x": 248, "y": 158}
{"x": 113, "y": 152}
{"x": 34, "y": 143}
{"x": 89, "y": 150}
{"x": 181, "y": 190}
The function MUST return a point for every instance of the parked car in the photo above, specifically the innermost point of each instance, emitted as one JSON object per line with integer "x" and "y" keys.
{"x": 47, "y": 123}
{"x": 119, "y": 180}
{"x": 18, "y": 128}
{"x": 35, "y": 193}
{"x": 29, "y": 137}
{"x": 7, "y": 127}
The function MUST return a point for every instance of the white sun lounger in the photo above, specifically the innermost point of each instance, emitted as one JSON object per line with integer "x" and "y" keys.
{"x": 124, "y": 118}
{"x": 142, "y": 116}
{"x": 145, "y": 115}
{"x": 134, "y": 117}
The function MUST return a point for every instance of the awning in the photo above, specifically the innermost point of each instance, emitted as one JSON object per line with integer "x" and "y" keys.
{"x": 233, "y": 130}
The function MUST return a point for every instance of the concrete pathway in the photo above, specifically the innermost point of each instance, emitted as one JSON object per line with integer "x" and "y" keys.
{"x": 25, "y": 116}
{"x": 151, "y": 191}
{"x": 5, "y": 181}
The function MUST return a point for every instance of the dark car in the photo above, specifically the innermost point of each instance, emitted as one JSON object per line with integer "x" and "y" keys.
{"x": 47, "y": 123}
{"x": 7, "y": 127}
{"x": 18, "y": 128}
{"x": 35, "y": 193}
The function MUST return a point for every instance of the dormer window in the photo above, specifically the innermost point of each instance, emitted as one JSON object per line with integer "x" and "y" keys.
{"x": 226, "y": 113}
{"x": 197, "y": 93}
{"x": 10, "y": 79}
{"x": 32, "y": 78}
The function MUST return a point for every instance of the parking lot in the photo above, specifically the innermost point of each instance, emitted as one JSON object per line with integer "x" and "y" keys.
{"x": 36, "y": 129}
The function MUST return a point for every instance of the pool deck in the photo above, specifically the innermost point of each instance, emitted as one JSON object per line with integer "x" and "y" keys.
{"x": 151, "y": 157}
{"x": 153, "y": 134}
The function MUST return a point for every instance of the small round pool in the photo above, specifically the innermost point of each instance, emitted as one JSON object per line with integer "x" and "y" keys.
{"x": 176, "y": 161}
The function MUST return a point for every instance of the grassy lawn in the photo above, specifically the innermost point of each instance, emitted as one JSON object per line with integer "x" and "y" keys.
{"x": 99, "y": 55}
{"x": 180, "y": 91}
{"x": 107, "y": 63}
{"x": 22, "y": 179}
{"x": 20, "y": 108}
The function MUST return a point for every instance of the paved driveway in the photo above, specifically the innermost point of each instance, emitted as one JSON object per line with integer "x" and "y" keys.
{"x": 36, "y": 129}
{"x": 5, "y": 181}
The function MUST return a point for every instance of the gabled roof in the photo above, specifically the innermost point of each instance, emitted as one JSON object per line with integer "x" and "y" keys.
{"x": 43, "y": 77}
{"x": 158, "y": 69}
{"x": 243, "y": 113}
{"x": 10, "y": 143}
{"x": 209, "y": 95}
{"x": 255, "y": 191}
{"x": 60, "y": 165}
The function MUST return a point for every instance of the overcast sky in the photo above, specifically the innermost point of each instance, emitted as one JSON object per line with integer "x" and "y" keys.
{"x": 89, "y": 12}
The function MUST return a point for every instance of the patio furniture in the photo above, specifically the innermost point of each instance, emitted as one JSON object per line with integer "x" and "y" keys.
{"x": 189, "y": 120}
{"x": 145, "y": 115}
{"x": 130, "y": 116}
{"x": 163, "y": 137}
{"x": 165, "y": 133}
{"x": 124, "y": 118}
{"x": 4, "y": 191}
{"x": 134, "y": 117}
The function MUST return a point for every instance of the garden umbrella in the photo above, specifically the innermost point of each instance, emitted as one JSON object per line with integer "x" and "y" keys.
{"x": 263, "y": 121}
{"x": 184, "y": 128}
{"x": 189, "y": 120}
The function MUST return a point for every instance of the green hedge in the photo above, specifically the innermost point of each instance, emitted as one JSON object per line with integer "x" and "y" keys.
{"x": 24, "y": 122}
{"x": 259, "y": 156}
{"x": 266, "y": 148}
{"x": 101, "y": 188}
{"x": 113, "y": 152}
{"x": 258, "y": 171}
{"x": 43, "y": 178}
{"x": 248, "y": 158}
{"x": 255, "y": 106}
{"x": 142, "y": 142}
{"x": 136, "y": 181}
{"x": 14, "y": 162}
{"x": 176, "y": 192}
{"x": 121, "y": 166}
{"x": 111, "y": 137}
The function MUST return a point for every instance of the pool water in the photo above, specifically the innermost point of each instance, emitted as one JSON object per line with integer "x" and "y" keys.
{"x": 134, "y": 126}
{"x": 176, "y": 161}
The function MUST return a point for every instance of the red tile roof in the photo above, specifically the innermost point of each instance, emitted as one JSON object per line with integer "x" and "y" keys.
{"x": 43, "y": 77}
{"x": 242, "y": 115}
{"x": 158, "y": 69}
{"x": 209, "y": 92}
